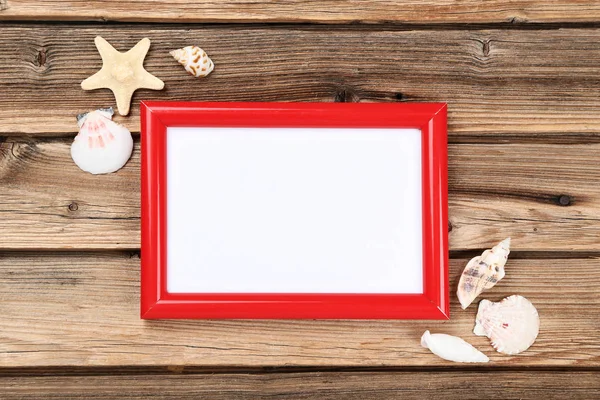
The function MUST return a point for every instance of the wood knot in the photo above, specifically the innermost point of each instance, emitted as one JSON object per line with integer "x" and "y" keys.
{"x": 486, "y": 48}
{"x": 564, "y": 200}
{"x": 41, "y": 58}
{"x": 177, "y": 369}
{"x": 517, "y": 20}
{"x": 340, "y": 97}
{"x": 135, "y": 254}
{"x": 345, "y": 96}
{"x": 73, "y": 206}
{"x": 27, "y": 148}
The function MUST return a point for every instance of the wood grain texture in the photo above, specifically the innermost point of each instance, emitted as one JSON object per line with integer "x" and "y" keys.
{"x": 82, "y": 309}
{"x": 46, "y": 201}
{"x": 510, "y": 83}
{"x": 326, "y": 11}
{"x": 458, "y": 385}
{"x": 545, "y": 196}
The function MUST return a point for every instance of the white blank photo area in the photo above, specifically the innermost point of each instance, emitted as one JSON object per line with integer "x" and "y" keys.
{"x": 294, "y": 210}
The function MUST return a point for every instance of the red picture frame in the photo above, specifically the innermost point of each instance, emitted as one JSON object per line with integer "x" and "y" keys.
{"x": 430, "y": 118}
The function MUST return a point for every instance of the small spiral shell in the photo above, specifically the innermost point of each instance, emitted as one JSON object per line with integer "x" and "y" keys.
{"x": 195, "y": 60}
{"x": 482, "y": 273}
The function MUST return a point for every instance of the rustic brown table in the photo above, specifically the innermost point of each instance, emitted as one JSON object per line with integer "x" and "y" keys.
{"x": 522, "y": 80}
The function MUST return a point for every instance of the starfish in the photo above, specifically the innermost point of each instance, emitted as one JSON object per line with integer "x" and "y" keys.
{"x": 123, "y": 73}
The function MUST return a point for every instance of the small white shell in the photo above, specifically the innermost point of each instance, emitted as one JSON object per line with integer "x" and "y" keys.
{"x": 195, "y": 60}
{"x": 452, "y": 348}
{"x": 482, "y": 272}
{"x": 102, "y": 146}
{"x": 512, "y": 324}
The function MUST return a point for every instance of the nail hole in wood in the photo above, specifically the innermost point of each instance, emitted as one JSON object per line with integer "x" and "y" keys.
{"x": 399, "y": 96}
{"x": 73, "y": 206}
{"x": 564, "y": 200}
{"x": 450, "y": 226}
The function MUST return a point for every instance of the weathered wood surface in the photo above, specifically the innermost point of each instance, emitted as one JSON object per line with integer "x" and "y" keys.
{"x": 546, "y": 196}
{"x": 326, "y": 11}
{"x": 82, "y": 309}
{"x": 524, "y": 159}
{"x": 47, "y": 202}
{"x": 455, "y": 385}
{"x": 514, "y": 83}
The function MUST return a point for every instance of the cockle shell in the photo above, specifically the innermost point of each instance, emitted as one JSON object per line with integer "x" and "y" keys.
{"x": 102, "y": 146}
{"x": 483, "y": 272}
{"x": 452, "y": 348}
{"x": 512, "y": 324}
{"x": 195, "y": 60}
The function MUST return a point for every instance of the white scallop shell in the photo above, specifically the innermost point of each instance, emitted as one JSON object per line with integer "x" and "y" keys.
{"x": 482, "y": 272}
{"x": 452, "y": 348}
{"x": 102, "y": 146}
{"x": 512, "y": 324}
{"x": 195, "y": 60}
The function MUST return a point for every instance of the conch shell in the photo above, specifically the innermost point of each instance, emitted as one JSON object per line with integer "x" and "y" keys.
{"x": 452, "y": 348}
{"x": 483, "y": 272}
{"x": 102, "y": 146}
{"x": 512, "y": 324}
{"x": 195, "y": 60}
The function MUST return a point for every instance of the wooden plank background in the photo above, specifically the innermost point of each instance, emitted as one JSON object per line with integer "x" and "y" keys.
{"x": 463, "y": 385}
{"x": 545, "y": 196}
{"x": 306, "y": 11}
{"x": 82, "y": 310}
{"x": 522, "y": 82}
{"x": 510, "y": 83}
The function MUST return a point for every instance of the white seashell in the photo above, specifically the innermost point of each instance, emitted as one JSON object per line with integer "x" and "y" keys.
{"x": 452, "y": 348}
{"x": 195, "y": 60}
{"x": 512, "y": 324}
{"x": 482, "y": 272}
{"x": 102, "y": 146}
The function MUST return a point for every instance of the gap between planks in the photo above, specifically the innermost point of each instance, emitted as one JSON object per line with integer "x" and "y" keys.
{"x": 343, "y": 26}
{"x": 491, "y": 138}
{"x": 194, "y": 370}
{"x": 135, "y": 252}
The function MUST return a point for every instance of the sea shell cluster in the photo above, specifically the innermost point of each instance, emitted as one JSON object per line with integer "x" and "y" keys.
{"x": 512, "y": 325}
{"x": 194, "y": 60}
{"x": 101, "y": 146}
